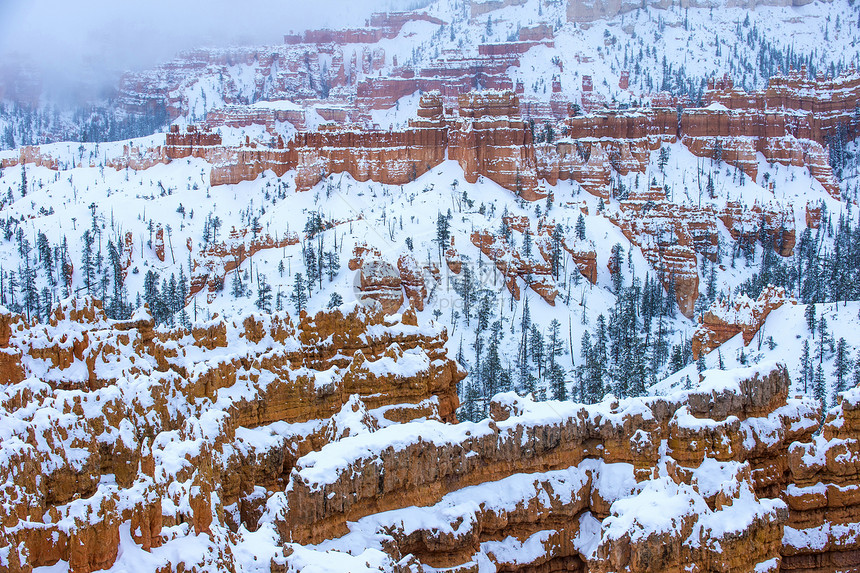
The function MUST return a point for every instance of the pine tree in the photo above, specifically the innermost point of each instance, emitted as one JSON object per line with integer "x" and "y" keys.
{"x": 493, "y": 363}
{"x": 332, "y": 264}
{"x": 311, "y": 264}
{"x": 237, "y": 289}
{"x": 809, "y": 313}
{"x": 537, "y": 348}
{"x": 818, "y": 387}
{"x": 601, "y": 358}
{"x": 522, "y": 361}
{"x": 586, "y": 363}
{"x": 13, "y": 287}
{"x": 465, "y": 287}
{"x": 841, "y": 364}
{"x": 150, "y": 293}
{"x": 335, "y": 301}
{"x": 555, "y": 256}
{"x": 443, "y": 233}
{"x": 557, "y": 381}
{"x": 299, "y": 296}
{"x": 264, "y": 294}
{"x": 555, "y": 345}
{"x": 87, "y": 267}
{"x": 806, "y": 371}
{"x": 677, "y": 360}
{"x": 527, "y": 244}
{"x": 856, "y": 380}
{"x": 44, "y": 249}
{"x": 615, "y": 264}
{"x": 30, "y": 292}
{"x": 580, "y": 227}
{"x": 46, "y": 304}
{"x": 116, "y": 308}
{"x": 823, "y": 337}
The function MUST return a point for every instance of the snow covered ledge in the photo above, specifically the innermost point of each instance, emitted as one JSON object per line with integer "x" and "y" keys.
{"x": 702, "y": 468}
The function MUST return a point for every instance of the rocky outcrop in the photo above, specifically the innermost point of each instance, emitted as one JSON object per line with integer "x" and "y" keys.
{"x": 381, "y": 281}
{"x": 490, "y": 139}
{"x": 819, "y": 106}
{"x": 380, "y": 25}
{"x": 30, "y": 154}
{"x": 726, "y": 318}
{"x": 513, "y": 265}
{"x": 747, "y": 224}
{"x": 131, "y": 427}
{"x": 585, "y": 11}
{"x": 607, "y": 496}
{"x": 821, "y": 533}
{"x": 209, "y": 267}
{"x": 669, "y": 236}
{"x": 304, "y": 426}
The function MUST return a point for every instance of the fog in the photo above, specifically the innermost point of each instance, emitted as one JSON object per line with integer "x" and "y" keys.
{"x": 79, "y": 44}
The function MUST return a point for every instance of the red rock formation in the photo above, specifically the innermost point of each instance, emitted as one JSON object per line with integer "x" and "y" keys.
{"x": 380, "y": 25}
{"x": 159, "y": 242}
{"x": 452, "y": 259}
{"x": 306, "y": 421}
{"x": 669, "y": 237}
{"x": 813, "y": 215}
{"x": 380, "y": 281}
{"x": 57, "y": 504}
{"x": 537, "y": 275}
{"x": 726, "y": 318}
{"x": 777, "y": 221}
{"x": 824, "y": 518}
{"x": 30, "y": 154}
{"x": 211, "y": 265}
{"x": 711, "y": 433}
{"x": 412, "y": 277}
{"x": 818, "y": 105}
{"x": 490, "y": 139}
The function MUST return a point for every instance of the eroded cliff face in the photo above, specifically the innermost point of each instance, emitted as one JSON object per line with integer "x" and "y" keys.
{"x": 489, "y": 133}
{"x": 701, "y": 479}
{"x": 114, "y": 428}
{"x": 120, "y": 434}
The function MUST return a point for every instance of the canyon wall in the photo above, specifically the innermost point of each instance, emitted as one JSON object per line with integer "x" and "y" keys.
{"x": 112, "y": 425}
{"x": 119, "y": 433}
{"x": 563, "y": 486}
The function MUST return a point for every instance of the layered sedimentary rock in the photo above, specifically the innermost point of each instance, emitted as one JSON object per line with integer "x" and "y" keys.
{"x": 381, "y": 281}
{"x": 737, "y": 135}
{"x": 114, "y": 425}
{"x": 485, "y": 132}
{"x": 573, "y": 487}
{"x": 30, "y": 154}
{"x": 669, "y": 235}
{"x": 297, "y": 428}
{"x": 585, "y": 11}
{"x": 776, "y": 222}
{"x": 727, "y": 318}
{"x": 210, "y": 265}
{"x": 380, "y": 25}
{"x": 823, "y": 528}
{"x": 393, "y": 157}
{"x": 490, "y": 139}
{"x": 819, "y": 106}
{"x": 512, "y": 265}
